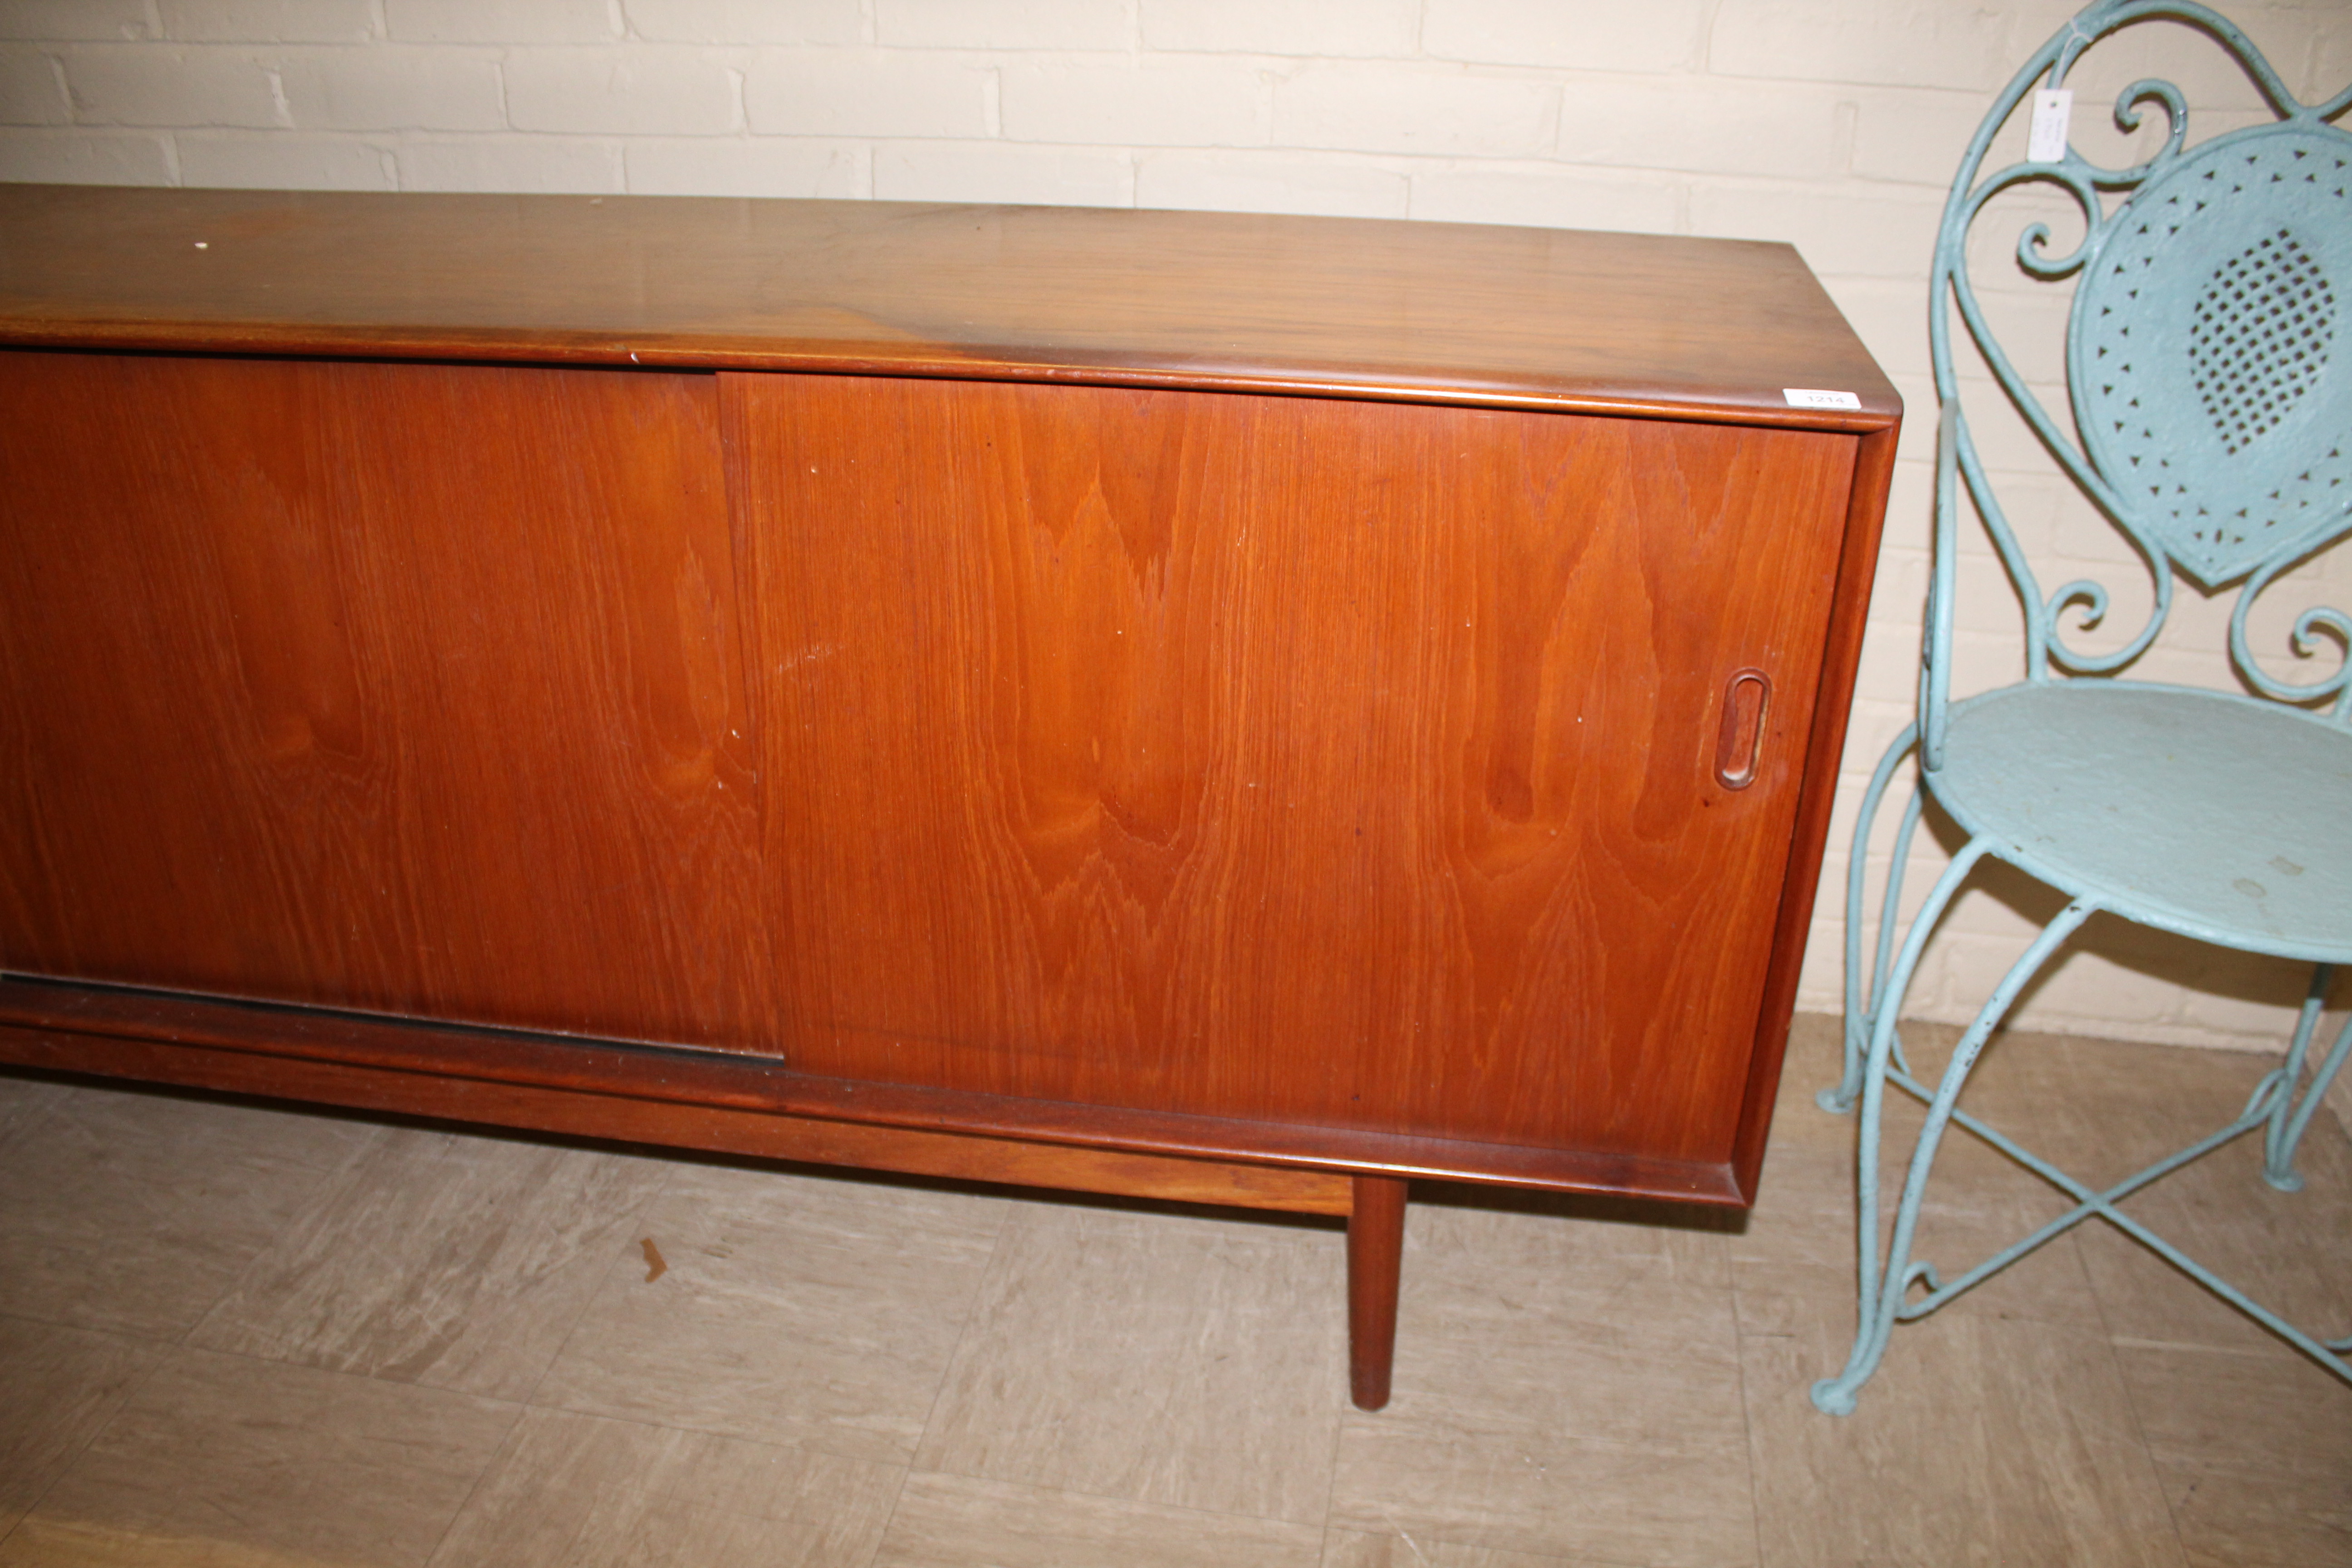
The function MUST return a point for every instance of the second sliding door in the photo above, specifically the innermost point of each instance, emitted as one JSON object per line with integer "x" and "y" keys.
{"x": 1295, "y": 759}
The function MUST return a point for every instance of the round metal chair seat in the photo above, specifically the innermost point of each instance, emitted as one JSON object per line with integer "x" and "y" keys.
{"x": 2201, "y": 812}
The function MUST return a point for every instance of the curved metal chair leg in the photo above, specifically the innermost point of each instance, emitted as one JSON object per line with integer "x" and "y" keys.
{"x": 1880, "y": 1299}
{"x": 1838, "y": 1099}
{"x": 1882, "y": 962}
{"x": 2291, "y": 1111}
{"x": 1873, "y": 1082}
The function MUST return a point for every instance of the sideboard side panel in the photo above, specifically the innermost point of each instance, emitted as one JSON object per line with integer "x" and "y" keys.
{"x": 412, "y": 688}
{"x": 1337, "y": 762}
{"x": 1833, "y": 704}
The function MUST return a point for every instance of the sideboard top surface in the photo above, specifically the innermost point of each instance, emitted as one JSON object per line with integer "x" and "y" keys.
{"x": 1433, "y": 312}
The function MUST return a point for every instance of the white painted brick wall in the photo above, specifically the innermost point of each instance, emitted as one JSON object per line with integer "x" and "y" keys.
{"x": 138, "y": 84}
{"x": 1049, "y": 25}
{"x": 1008, "y": 172}
{"x": 397, "y": 87}
{"x": 78, "y": 19}
{"x": 1428, "y": 108}
{"x": 1303, "y": 29}
{"x": 502, "y": 21}
{"x": 1972, "y": 48}
{"x": 1788, "y": 131}
{"x": 270, "y": 21}
{"x": 32, "y": 87}
{"x": 741, "y": 21}
{"x": 746, "y": 166}
{"x": 513, "y": 162}
{"x": 1274, "y": 182}
{"x": 868, "y": 93}
{"x": 1556, "y": 195}
{"x": 1182, "y": 100}
{"x": 643, "y": 89}
{"x": 1832, "y": 124}
{"x": 1654, "y": 36}
{"x": 293, "y": 161}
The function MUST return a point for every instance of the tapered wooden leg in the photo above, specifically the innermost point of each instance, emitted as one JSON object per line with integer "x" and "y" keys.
{"x": 1375, "y": 1253}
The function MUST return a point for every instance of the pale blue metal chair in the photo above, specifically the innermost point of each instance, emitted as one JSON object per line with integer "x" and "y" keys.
{"x": 2208, "y": 363}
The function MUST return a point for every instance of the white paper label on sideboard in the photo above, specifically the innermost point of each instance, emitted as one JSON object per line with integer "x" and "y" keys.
{"x": 2054, "y": 110}
{"x": 1810, "y": 397}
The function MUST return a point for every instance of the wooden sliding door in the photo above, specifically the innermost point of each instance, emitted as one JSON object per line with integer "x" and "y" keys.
{"x": 407, "y": 687}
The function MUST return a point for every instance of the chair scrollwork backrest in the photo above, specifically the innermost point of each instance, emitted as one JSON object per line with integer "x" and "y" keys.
{"x": 2209, "y": 362}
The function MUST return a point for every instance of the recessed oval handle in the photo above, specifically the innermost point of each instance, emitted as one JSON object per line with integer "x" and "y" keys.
{"x": 1747, "y": 697}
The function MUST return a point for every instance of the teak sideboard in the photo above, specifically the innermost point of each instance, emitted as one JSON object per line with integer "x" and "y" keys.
{"x": 1234, "y": 709}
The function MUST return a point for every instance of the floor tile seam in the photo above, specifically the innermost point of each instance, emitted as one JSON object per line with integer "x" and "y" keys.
{"x": 1158, "y": 1414}
{"x": 1629, "y": 1274}
{"x": 1421, "y": 1559}
{"x": 1958, "y": 1309}
{"x": 367, "y": 1379}
{"x": 919, "y": 1467}
{"x": 1748, "y": 1263}
{"x": 162, "y": 1354}
{"x": 2279, "y": 1346}
{"x": 2123, "y": 1377}
{"x": 165, "y": 1341}
{"x": 321, "y": 1194}
{"x": 1740, "y": 1308}
{"x": 17, "y": 1119}
{"x": 811, "y": 1445}
{"x": 1520, "y": 1532}
{"x": 1702, "y": 1450}
{"x": 1006, "y": 1220}
{"x": 1340, "y": 1426}
{"x": 1843, "y": 1325}
{"x": 1748, "y": 1427}
{"x": 589, "y": 1297}
{"x": 2202, "y": 1469}
{"x": 474, "y": 1488}
{"x": 1936, "y": 1230}
{"x": 1616, "y": 1355}
{"x": 1607, "y": 1276}
{"x": 2065, "y": 1245}
{"x": 1573, "y": 1559}
{"x": 890, "y": 1515}
{"x": 915, "y": 1471}
{"x": 2269, "y": 1351}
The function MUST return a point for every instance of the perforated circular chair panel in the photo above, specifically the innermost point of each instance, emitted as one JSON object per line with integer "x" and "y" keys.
{"x": 2219, "y": 817}
{"x": 2209, "y": 352}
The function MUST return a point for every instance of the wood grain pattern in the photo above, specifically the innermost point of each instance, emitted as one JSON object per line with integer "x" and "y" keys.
{"x": 1602, "y": 322}
{"x": 401, "y": 688}
{"x": 1334, "y": 764}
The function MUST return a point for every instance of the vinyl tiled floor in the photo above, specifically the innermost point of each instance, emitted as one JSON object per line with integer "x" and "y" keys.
{"x": 239, "y": 1335}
